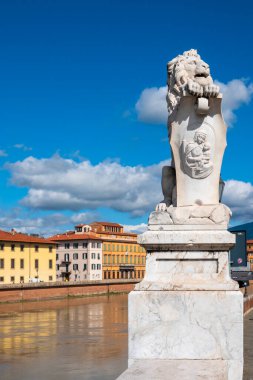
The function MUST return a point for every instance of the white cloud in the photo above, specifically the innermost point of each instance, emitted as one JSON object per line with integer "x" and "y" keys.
{"x": 45, "y": 225}
{"x": 235, "y": 93}
{"x": 3, "y": 153}
{"x": 63, "y": 184}
{"x": 151, "y": 106}
{"x": 59, "y": 184}
{"x": 136, "y": 228}
{"x": 22, "y": 147}
{"x": 238, "y": 195}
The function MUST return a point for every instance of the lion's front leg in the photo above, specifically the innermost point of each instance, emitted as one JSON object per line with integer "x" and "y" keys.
{"x": 211, "y": 91}
{"x": 194, "y": 88}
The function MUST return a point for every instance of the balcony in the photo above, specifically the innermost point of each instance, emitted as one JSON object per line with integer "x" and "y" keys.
{"x": 126, "y": 267}
{"x": 65, "y": 273}
{"x": 65, "y": 262}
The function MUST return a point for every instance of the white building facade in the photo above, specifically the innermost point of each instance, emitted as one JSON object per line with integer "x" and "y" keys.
{"x": 78, "y": 257}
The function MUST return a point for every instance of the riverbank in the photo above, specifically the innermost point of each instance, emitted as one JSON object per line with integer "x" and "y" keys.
{"x": 58, "y": 290}
{"x": 44, "y": 291}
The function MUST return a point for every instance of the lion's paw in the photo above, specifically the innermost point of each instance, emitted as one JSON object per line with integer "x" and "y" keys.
{"x": 211, "y": 91}
{"x": 194, "y": 88}
{"x": 161, "y": 207}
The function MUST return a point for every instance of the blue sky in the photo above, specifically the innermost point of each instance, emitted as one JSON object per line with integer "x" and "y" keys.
{"x": 73, "y": 145}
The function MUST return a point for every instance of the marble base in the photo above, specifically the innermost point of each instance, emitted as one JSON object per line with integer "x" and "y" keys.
{"x": 182, "y": 370}
{"x": 193, "y": 270}
{"x": 186, "y": 316}
{"x": 186, "y": 325}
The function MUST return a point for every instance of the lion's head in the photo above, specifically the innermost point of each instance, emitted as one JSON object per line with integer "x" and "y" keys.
{"x": 189, "y": 72}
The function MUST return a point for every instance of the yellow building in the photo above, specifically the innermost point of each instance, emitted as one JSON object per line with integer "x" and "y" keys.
{"x": 122, "y": 256}
{"x": 25, "y": 258}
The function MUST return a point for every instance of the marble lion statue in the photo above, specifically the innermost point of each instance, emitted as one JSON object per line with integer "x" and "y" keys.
{"x": 188, "y": 72}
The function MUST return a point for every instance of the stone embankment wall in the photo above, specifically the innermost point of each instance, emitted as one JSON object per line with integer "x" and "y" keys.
{"x": 49, "y": 290}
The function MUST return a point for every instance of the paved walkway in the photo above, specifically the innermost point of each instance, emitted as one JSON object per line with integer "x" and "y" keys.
{"x": 248, "y": 346}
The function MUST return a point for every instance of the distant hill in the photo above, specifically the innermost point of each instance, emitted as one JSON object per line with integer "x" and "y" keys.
{"x": 248, "y": 227}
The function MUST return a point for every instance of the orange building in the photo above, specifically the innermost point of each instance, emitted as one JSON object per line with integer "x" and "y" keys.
{"x": 122, "y": 256}
{"x": 250, "y": 253}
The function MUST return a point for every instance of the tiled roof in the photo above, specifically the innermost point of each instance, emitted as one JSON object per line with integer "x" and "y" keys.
{"x": 62, "y": 237}
{"x": 107, "y": 224}
{"x": 117, "y": 233}
{"x": 19, "y": 237}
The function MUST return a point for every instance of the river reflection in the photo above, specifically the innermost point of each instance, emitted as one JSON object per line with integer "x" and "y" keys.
{"x": 75, "y": 339}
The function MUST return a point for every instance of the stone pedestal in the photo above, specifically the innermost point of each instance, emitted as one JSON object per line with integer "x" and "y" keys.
{"x": 186, "y": 316}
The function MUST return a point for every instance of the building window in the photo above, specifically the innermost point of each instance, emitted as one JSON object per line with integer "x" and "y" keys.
{"x": 12, "y": 263}
{"x": 98, "y": 266}
{"x": 22, "y": 247}
{"x": 12, "y": 279}
{"x": 66, "y": 245}
{"x": 105, "y": 259}
{"x": 93, "y": 245}
{"x": 13, "y": 247}
{"x": 85, "y": 245}
{"x": 50, "y": 248}
{"x": 36, "y": 264}
{"x": 1, "y": 263}
{"x": 113, "y": 248}
{"x": 21, "y": 263}
{"x": 93, "y": 266}
{"x": 66, "y": 257}
{"x": 99, "y": 245}
{"x": 2, "y": 247}
{"x": 75, "y": 245}
{"x": 93, "y": 255}
{"x": 50, "y": 264}
{"x": 50, "y": 278}
{"x": 75, "y": 266}
{"x": 98, "y": 256}
{"x": 75, "y": 256}
{"x": 1, "y": 279}
{"x": 57, "y": 245}
{"x": 22, "y": 279}
{"x": 57, "y": 267}
{"x": 36, "y": 248}
{"x": 109, "y": 247}
{"x": 84, "y": 256}
{"x": 57, "y": 256}
{"x": 84, "y": 266}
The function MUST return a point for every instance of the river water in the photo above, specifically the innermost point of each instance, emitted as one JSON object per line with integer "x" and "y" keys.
{"x": 84, "y": 338}
{"x": 77, "y": 339}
